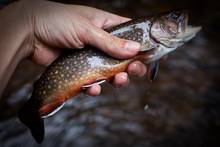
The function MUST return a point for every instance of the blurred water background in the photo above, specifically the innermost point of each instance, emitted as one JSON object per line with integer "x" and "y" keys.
{"x": 180, "y": 108}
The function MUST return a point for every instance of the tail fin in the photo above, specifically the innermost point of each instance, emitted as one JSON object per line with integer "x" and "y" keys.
{"x": 29, "y": 115}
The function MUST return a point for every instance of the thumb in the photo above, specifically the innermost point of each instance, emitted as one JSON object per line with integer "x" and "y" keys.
{"x": 114, "y": 46}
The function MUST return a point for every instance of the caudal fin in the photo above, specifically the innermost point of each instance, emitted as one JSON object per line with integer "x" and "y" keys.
{"x": 29, "y": 115}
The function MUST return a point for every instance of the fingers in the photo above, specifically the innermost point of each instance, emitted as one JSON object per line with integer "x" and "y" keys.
{"x": 112, "y": 20}
{"x": 137, "y": 69}
{"x": 121, "y": 79}
{"x": 110, "y": 44}
{"x": 91, "y": 33}
{"x": 44, "y": 55}
{"x": 94, "y": 90}
{"x": 99, "y": 18}
{"x": 105, "y": 20}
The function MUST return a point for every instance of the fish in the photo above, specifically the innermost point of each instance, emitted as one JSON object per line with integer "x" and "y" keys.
{"x": 75, "y": 70}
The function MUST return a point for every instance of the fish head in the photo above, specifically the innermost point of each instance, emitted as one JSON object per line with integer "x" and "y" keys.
{"x": 172, "y": 30}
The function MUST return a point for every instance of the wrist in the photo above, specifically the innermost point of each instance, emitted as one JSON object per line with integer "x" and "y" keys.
{"x": 15, "y": 39}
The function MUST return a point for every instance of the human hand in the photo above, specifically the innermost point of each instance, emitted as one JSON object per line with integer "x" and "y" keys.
{"x": 55, "y": 26}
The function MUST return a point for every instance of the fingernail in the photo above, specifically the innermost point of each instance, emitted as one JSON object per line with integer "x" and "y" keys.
{"x": 132, "y": 46}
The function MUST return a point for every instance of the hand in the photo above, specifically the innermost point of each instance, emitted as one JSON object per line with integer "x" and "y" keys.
{"x": 55, "y": 26}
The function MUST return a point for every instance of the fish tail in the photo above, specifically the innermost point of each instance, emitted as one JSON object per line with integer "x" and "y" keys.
{"x": 30, "y": 116}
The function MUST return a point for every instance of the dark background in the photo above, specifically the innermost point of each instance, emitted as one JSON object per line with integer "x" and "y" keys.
{"x": 182, "y": 107}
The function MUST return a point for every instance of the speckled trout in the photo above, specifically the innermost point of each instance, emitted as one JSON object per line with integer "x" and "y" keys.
{"x": 75, "y": 70}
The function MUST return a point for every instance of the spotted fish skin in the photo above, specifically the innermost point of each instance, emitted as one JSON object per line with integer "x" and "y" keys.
{"x": 65, "y": 77}
{"x": 68, "y": 74}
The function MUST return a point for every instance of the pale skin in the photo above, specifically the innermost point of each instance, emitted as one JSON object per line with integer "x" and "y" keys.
{"x": 39, "y": 30}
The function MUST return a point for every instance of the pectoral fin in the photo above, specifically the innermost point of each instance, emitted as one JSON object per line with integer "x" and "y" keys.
{"x": 152, "y": 70}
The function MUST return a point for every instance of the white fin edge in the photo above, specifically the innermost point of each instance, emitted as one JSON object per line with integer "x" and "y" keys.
{"x": 55, "y": 111}
{"x": 96, "y": 83}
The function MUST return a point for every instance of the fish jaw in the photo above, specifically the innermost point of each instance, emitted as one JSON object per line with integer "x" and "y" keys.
{"x": 162, "y": 50}
{"x": 172, "y": 30}
{"x": 189, "y": 33}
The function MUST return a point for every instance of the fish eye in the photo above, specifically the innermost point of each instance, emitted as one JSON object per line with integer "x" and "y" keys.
{"x": 164, "y": 29}
{"x": 174, "y": 15}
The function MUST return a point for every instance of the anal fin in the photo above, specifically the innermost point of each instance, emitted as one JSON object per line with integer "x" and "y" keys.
{"x": 54, "y": 111}
{"x": 95, "y": 83}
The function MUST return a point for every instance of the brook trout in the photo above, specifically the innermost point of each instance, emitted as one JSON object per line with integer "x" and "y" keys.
{"x": 78, "y": 69}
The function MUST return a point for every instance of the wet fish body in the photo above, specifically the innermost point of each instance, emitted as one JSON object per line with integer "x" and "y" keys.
{"x": 77, "y": 69}
{"x": 67, "y": 76}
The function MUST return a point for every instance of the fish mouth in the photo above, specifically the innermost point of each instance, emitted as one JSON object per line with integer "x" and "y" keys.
{"x": 186, "y": 31}
{"x": 173, "y": 29}
{"x": 183, "y": 33}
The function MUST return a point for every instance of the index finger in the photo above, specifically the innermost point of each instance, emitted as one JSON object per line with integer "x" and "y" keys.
{"x": 112, "y": 20}
{"x": 99, "y": 18}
